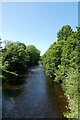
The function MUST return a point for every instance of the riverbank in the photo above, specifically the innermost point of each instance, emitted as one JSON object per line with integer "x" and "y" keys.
{"x": 61, "y": 63}
{"x": 10, "y": 76}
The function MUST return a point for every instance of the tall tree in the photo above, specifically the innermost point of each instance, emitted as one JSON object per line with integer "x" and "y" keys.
{"x": 64, "y": 32}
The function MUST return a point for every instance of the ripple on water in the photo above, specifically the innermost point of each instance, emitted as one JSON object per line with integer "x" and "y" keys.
{"x": 37, "y": 97}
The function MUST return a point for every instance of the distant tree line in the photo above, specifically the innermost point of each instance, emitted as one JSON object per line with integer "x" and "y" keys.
{"x": 61, "y": 62}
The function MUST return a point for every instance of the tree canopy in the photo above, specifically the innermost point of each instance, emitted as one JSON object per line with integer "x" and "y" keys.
{"x": 64, "y": 32}
{"x": 17, "y": 57}
{"x": 61, "y": 63}
{"x": 34, "y": 54}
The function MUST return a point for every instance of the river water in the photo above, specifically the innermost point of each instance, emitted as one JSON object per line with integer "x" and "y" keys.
{"x": 36, "y": 96}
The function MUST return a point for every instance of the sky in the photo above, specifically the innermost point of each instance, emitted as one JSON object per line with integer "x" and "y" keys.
{"x": 37, "y": 23}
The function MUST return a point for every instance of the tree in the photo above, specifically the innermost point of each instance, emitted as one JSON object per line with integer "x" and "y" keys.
{"x": 15, "y": 57}
{"x": 34, "y": 54}
{"x": 64, "y": 32}
{"x": 62, "y": 62}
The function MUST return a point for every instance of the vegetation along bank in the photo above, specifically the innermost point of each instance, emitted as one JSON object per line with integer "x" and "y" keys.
{"x": 17, "y": 58}
{"x": 62, "y": 63}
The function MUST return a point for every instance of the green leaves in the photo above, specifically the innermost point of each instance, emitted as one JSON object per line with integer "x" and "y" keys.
{"x": 61, "y": 62}
{"x": 64, "y": 33}
{"x": 17, "y": 57}
{"x": 34, "y": 54}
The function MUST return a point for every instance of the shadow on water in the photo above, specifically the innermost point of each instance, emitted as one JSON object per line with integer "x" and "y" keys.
{"x": 14, "y": 87}
{"x": 55, "y": 93}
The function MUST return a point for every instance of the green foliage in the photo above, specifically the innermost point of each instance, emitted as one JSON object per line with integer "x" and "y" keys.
{"x": 70, "y": 85}
{"x": 16, "y": 57}
{"x": 52, "y": 58}
{"x": 64, "y": 32}
{"x": 61, "y": 62}
{"x": 34, "y": 54}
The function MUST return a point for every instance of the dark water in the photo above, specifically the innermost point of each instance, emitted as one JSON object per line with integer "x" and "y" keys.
{"x": 35, "y": 97}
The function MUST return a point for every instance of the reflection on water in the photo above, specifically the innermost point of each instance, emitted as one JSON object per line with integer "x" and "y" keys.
{"x": 55, "y": 93}
{"x": 34, "y": 97}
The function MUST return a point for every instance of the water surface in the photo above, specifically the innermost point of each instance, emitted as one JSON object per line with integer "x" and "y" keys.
{"x": 35, "y": 97}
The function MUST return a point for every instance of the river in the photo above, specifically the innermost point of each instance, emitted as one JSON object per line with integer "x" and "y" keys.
{"x": 36, "y": 96}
